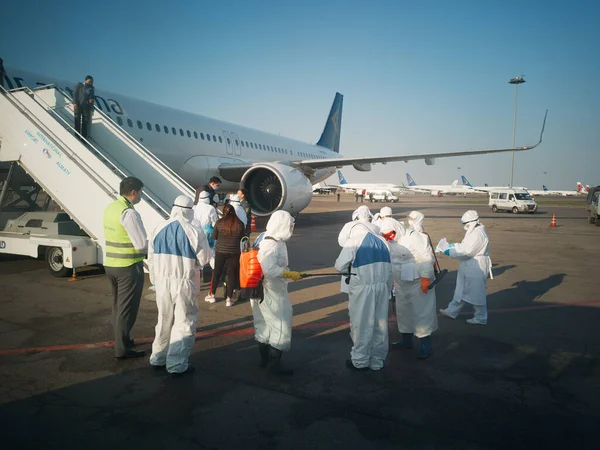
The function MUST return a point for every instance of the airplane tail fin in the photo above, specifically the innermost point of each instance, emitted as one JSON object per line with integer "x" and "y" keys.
{"x": 486, "y": 185}
{"x": 341, "y": 178}
{"x": 580, "y": 187}
{"x": 465, "y": 181}
{"x": 330, "y": 138}
{"x": 544, "y": 187}
{"x": 455, "y": 183}
{"x": 410, "y": 180}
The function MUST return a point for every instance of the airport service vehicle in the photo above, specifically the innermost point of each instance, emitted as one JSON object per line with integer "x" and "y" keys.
{"x": 593, "y": 206}
{"x": 382, "y": 196}
{"x": 512, "y": 200}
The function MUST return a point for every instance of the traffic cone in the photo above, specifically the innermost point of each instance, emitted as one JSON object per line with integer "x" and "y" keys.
{"x": 553, "y": 223}
{"x": 253, "y": 224}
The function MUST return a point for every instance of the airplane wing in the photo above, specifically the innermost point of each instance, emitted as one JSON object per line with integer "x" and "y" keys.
{"x": 363, "y": 163}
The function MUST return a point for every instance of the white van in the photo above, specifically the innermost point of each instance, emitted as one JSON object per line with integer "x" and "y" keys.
{"x": 512, "y": 200}
{"x": 382, "y": 196}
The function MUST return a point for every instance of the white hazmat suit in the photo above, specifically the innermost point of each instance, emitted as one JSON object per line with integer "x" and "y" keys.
{"x": 413, "y": 267}
{"x": 176, "y": 250}
{"x": 384, "y": 217}
{"x": 361, "y": 215}
{"x": 206, "y": 215}
{"x": 368, "y": 257}
{"x": 475, "y": 265}
{"x": 273, "y": 316}
{"x": 235, "y": 201}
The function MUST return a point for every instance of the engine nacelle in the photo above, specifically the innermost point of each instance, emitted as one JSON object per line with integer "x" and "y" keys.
{"x": 430, "y": 161}
{"x": 272, "y": 187}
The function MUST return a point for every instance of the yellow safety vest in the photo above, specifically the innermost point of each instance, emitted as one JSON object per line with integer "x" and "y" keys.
{"x": 119, "y": 249}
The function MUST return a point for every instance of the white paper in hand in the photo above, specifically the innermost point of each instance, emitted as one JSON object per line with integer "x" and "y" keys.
{"x": 442, "y": 246}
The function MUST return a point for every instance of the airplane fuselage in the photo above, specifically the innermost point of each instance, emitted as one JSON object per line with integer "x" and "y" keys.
{"x": 192, "y": 145}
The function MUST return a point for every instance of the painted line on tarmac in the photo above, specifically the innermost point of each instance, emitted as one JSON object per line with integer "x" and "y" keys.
{"x": 250, "y": 330}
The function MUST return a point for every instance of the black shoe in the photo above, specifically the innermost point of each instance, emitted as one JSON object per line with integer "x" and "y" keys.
{"x": 406, "y": 341}
{"x": 425, "y": 351}
{"x": 130, "y": 343}
{"x": 350, "y": 365}
{"x": 190, "y": 369}
{"x": 274, "y": 366}
{"x": 264, "y": 354}
{"x": 130, "y": 354}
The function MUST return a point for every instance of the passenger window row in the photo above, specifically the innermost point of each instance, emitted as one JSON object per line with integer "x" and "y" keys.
{"x": 214, "y": 138}
{"x": 309, "y": 156}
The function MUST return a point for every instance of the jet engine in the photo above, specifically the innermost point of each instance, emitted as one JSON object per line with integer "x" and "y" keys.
{"x": 272, "y": 187}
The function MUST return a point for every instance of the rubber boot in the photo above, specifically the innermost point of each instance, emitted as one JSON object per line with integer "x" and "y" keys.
{"x": 425, "y": 351}
{"x": 274, "y": 365}
{"x": 406, "y": 341}
{"x": 264, "y": 354}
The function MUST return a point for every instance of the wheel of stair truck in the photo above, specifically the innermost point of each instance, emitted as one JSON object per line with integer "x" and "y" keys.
{"x": 54, "y": 259}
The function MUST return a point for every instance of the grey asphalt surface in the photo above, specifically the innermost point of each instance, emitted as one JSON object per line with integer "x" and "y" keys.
{"x": 529, "y": 379}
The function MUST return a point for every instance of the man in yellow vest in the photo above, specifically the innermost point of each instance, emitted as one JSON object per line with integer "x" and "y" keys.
{"x": 126, "y": 246}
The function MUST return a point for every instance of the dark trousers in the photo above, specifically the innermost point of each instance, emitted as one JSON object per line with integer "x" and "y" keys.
{"x": 82, "y": 120}
{"x": 233, "y": 272}
{"x": 127, "y": 285}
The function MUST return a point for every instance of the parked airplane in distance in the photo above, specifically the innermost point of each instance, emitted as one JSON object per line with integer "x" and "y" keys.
{"x": 323, "y": 188}
{"x": 369, "y": 187}
{"x": 545, "y": 191}
{"x": 486, "y": 188}
{"x": 438, "y": 189}
{"x": 582, "y": 189}
{"x": 278, "y": 172}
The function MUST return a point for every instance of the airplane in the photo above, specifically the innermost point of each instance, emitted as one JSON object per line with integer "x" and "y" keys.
{"x": 453, "y": 188}
{"x": 370, "y": 187}
{"x": 277, "y": 172}
{"x": 323, "y": 188}
{"x": 486, "y": 188}
{"x": 580, "y": 191}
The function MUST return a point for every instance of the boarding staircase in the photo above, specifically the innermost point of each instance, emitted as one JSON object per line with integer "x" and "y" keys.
{"x": 81, "y": 176}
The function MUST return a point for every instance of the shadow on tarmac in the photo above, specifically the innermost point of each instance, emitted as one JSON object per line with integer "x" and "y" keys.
{"x": 527, "y": 380}
{"x": 508, "y": 385}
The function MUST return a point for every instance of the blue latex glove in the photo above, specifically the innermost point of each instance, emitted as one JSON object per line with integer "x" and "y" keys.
{"x": 447, "y": 252}
{"x": 450, "y": 245}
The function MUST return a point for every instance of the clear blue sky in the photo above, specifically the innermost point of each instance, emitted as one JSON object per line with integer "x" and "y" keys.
{"x": 417, "y": 76}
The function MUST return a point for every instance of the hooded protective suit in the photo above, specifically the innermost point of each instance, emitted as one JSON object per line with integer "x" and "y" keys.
{"x": 369, "y": 258}
{"x": 273, "y": 317}
{"x": 412, "y": 260}
{"x": 176, "y": 250}
{"x": 361, "y": 215}
{"x": 475, "y": 265}
{"x": 379, "y": 217}
{"x": 235, "y": 201}
{"x": 206, "y": 215}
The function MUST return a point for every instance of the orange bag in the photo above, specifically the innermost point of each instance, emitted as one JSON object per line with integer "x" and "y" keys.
{"x": 250, "y": 270}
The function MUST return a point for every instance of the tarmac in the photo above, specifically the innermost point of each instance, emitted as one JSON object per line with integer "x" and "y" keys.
{"x": 529, "y": 379}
